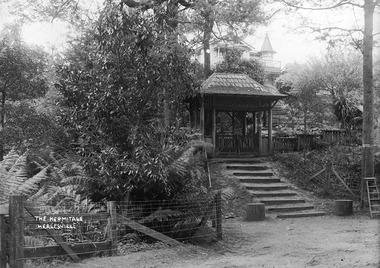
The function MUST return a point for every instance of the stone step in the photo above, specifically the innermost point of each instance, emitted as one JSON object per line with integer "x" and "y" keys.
{"x": 247, "y": 167}
{"x": 254, "y": 174}
{"x": 265, "y": 186}
{"x": 237, "y": 160}
{"x": 280, "y": 201}
{"x": 259, "y": 180}
{"x": 310, "y": 213}
{"x": 288, "y": 207}
{"x": 278, "y": 193}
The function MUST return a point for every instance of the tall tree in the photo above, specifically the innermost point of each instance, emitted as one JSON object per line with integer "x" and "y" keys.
{"x": 112, "y": 86}
{"x": 21, "y": 72}
{"x": 208, "y": 19}
{"x": 368, "y": 7}
{"x": 306, "y": 94}
{"x": 233, "y": 63}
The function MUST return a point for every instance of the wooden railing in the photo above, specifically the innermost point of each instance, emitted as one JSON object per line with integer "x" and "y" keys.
{"x": 240, "y": 144}
{"x": 235, "y": 144}
{"x": 246, "y": 144}
{"x": 225, "y": 144}
{"x": 284, "y": 144}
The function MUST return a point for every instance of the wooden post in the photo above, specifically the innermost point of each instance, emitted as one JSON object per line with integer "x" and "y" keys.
{"x": 233, "y": 122}
{"x": 202, "y": 118}
{"x": 16, "y": 223}
{"x": 343, "y": 207}
{"x": 218, "y": 208}
{"x": 3, "y": 241}
{"x": 259, "y": 129}
{"x": 270, "y": 131}
{"x": 327, "y": 178}
{"x": 255, "y": 212}
{"x": 213, "y": 130}
{"x": 191, "y": 114}
{"x": 112, "y": 223}
{"x": 244, "y": 125}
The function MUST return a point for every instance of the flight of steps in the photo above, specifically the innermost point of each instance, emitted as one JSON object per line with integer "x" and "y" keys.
{"x": 265, "y": 187}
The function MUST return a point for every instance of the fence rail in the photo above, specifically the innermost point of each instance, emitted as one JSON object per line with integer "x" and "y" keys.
{"x": 312, "y": 141}
{"x": 29, "y": 232}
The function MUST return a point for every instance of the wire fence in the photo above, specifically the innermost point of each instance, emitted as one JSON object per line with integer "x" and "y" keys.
{"x": 178, "y": 219}
{"x": 37, "y": 232}
{"x": 308, "y": 167}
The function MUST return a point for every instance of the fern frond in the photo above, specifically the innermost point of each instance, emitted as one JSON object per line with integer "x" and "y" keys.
{"x": 31, "y": 185}
{"x": 75, "y": 180}
{"x": 20, "y": 164}
{"x": 228, "y": 193}
{"x": 74, "y": 169}
{"x": 10, "y": 159}
{"x": 179, "y": 166}
{"x": 39, "y": 195}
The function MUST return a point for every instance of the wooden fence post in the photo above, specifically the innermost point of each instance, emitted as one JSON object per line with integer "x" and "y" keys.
{"x": 218, "y": 207}
{"x": 16, "y": 223}
{"x": 3, "y": 241}
{"x": 328, "y": 178}
{"x": 112, "y": 223}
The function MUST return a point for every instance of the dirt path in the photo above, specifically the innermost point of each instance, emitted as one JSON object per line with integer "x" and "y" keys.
{"x": 327, "y": 241}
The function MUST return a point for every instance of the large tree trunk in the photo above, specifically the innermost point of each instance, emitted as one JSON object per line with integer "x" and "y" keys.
{"x": 368, "y": 116}
{"x": 172, "y": 20}
{"x": 209, "y": 24}
{"x": 2, "y": 121}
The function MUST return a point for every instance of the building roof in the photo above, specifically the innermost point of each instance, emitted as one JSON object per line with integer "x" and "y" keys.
{"x": 237, "y": 44}
{"x": 267, "y": 46}
{"x": 237, "y": 84}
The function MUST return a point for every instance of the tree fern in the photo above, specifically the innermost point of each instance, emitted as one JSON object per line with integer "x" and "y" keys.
{"x": 14, "y": 179}
{"x": 9, "y": 160}
{"x": 30, "y": 185}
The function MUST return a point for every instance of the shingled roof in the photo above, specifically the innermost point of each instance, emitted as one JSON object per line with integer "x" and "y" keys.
{"x": 237, "y": 84}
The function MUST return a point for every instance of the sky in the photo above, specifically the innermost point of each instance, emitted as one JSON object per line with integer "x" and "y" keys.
{"x": 291, "y": 42}
{"x": 294, "y": 44}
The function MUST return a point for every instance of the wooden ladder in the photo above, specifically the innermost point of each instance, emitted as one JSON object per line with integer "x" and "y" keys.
{"x": 373, "y": 197}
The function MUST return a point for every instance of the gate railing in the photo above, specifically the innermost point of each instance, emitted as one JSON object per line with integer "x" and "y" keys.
{"x": 235, "y": 144}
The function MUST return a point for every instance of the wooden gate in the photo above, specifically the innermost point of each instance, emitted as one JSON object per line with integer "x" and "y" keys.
{"x": 235, "y": 144}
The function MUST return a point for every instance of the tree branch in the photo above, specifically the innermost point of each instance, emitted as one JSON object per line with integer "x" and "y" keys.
{"x": 133, "y": 3}
{"x": 339, "y": 4}
{"x": 350, "y": 31}
{"x": 150, "y": 3}
{"x": 272, "y": 15}
{"x": 185, "y": 3}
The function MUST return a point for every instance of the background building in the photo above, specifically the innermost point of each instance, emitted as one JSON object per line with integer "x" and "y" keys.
{"x": 265, "y": 55}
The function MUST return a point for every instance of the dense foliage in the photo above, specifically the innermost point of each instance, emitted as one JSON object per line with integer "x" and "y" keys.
{"x": 325, "y": 91}
{"x": 115, "y": 84}
{"x": 27, "y": 128}
{"x": 233, "y": 63}
{"x": 22, "y": 69}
